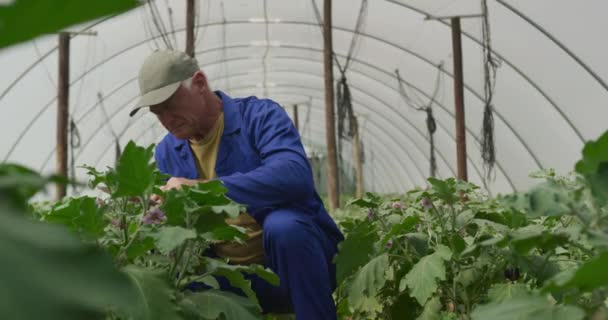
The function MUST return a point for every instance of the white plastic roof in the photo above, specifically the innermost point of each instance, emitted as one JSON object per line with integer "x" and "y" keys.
{"x": 551, "y": 91}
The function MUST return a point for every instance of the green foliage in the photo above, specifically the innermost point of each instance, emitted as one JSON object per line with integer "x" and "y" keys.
{"x": 135, "y": 171}
{"x": 356, "y": 252}
{"x": 527, "y": 308}
{"x": 159, "y": 247}
{"x": 422, "y": 279}
{"x": 451, "y": 252}
{"x": 367, "y": 284}
{"x": 80, "y": 215}
{"x": 506, "y": 291}
{"x": 26, "y": 19}
{"x": 155, "y": 297}
{"x": 216, "y": 304}
{"x": 47, "y": 266}
{"x": 169, "y": 238}
{"x": 594, "y": 167}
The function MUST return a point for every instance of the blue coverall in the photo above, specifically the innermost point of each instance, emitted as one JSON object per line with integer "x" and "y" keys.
{"x": 262, "y": 163}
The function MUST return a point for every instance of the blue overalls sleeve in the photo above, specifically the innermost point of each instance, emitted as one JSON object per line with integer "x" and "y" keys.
{"x": 284, "y": 175}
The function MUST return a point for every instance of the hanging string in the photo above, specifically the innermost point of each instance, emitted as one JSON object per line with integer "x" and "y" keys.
{"x": 75, "y": 141}
{"x": 431, "y": 124}
{"x": 344, "y": 104}
{"x": 158, "y": 23}
{"x": 490, "y": 65}
{"x": 431, "y": 127}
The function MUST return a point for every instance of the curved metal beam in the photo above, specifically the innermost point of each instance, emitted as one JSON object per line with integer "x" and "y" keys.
{"x": 509, "y": 63}
{"x": 470, "y": 89}
{"x": 473, "y": 164}
{"x": 445, "y": 130}
{"x": 557, "y": 43}
{"x": 87, "y": 142}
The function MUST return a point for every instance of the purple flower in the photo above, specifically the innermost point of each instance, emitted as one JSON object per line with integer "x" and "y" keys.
{"x": 370, "y": 214}
{"x": 117, "y": 223}
{"x": 389, "y": 244}
{"x": 154, "y": 216}
{"x": 396, "y": 205}
{"x": 426, "y": 203}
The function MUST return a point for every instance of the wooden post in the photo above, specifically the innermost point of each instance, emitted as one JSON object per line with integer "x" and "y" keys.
{"x": 63, "y": 94}
{"x": 330, "y": 122}
{"x": 190, "y": 27}
{"x": 461, "y": 145}
{"x": 296, "y": 122}
{"x": 358, "y": 162}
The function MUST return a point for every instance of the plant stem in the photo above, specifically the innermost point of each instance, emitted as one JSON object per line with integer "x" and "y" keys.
{"x": 125, "y": 228}
{"x": 178, "y": 258}
{"x": 184, "y": 266}
{"x": 385, "y": 227}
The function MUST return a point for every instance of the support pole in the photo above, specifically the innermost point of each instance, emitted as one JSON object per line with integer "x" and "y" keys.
{"x": 330, "y": 122}
{"x": 358, "y": 162}
{"x": 190, "y": 28}
{"x": 461, "y": 145}
{"x": 63, "y": 94}
{"x": 296, "y": 121}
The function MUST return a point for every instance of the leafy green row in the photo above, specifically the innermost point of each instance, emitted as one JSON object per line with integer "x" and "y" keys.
{"x": 125, "y": 257}
{"x": 451, "y": 252}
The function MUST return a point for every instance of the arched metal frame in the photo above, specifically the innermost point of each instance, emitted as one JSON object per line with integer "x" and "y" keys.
{"x": 517, "y": 70}
{"x": 375, "y": 97}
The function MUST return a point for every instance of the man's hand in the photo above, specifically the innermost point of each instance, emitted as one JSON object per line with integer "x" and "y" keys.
{"x": 174, "y": 183}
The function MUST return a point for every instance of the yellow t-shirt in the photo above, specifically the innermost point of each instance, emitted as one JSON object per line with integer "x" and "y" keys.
{"x": 252, "y": 250}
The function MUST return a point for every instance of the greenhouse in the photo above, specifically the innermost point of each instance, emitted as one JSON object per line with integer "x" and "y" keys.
{"x": 447, "y": 159}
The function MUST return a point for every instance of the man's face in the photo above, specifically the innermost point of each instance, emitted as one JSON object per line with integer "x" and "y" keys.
{"x": 183, "y": 114}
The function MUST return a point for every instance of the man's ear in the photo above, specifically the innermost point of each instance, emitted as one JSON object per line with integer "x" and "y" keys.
{"x": 200, "y": 80}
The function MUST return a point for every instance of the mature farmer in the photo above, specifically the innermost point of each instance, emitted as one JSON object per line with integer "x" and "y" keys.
{"x": 250, "y": 145}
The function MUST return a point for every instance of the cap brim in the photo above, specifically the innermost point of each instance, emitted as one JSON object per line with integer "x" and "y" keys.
{"x": 155, "y": 97}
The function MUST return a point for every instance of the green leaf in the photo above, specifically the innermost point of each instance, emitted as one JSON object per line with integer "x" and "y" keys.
{"x": 431, "y": 310}
{"x": 216, "y": 304}
{"x": 527, "y": 238}
{"x": 589, "y": 276}
{"x": 232, "y": 210}
{"x": 213, "y": 227}
{"x": 506, "y": 291}
{"x": 140, "y": 247}
{"x": 234, "y": 274}
{"x": 154, "y": 295}
{"x": 207, "y": 197}
{"x": 260, "y": 271}
{"x": 594, "y": 166}
{"x": 49, "y": 274}
{"x": 444, "y": 190}
{"x": 213, "y": 186}
{"x": 80, "y": 215}
{"x": 171, "y": 237}
{"x": 135, "y": 171}
{"x": 422, "y": 279}
{"x": 367, "y": 283}
{"x": 458, "y": 243}
{"x": 18, "y": 184}
{"x": 526, "y": 308}
{"x": 407, "y": 225}
{"x": 364, "y": 203}
{"x": 174, "y": 207}
{"x": 16, "y": 19}
{"x": 237, "y": 280}
{"x": 355, "y": 250}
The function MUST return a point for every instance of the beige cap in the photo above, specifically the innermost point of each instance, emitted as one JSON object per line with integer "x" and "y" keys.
{"x": 161, "y": 75}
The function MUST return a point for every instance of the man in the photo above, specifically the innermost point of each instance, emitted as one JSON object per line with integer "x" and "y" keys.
{"x": 251, "y": 146}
